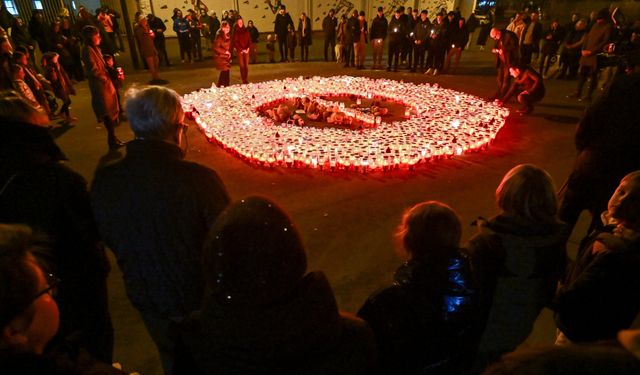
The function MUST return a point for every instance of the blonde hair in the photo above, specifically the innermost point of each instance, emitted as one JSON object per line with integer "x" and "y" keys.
{"x": 528, "y": 192}
{"x": 429, "y": 226}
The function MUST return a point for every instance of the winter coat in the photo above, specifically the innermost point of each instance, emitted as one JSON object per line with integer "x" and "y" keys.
{"x": 601, "y": 294}
{"x": 156, "y": 24}
{"x": 551, "y": 40}
{"x": 241, "y": 39}
{"x": 459, "y": 37}
{"x": 153, "y": 210}
{"x": 329, "y": 25}
{"x": 255, "y": 34}
{"x": 378, "y": 27}
{"x": 425, "y": 322}
{"x": 422, "y": 32}
{"x": 595, "y": 40}
{"x": 353, "y": 27}
{"x": 517, "y": 263}
{"x": 281, "y": 24}
{"x": 181, "y": 25}
{"x": 306, "y": 39}
{"x": 221, "y": 51}
{"x": 302, "y": 334}
{"x": 60, "y": 82}
{"x": 362, "y": 28}
{"x": 145, "y": 41}
{"x": 103, "y": 94}
{"x": 508, "y": 43}
{"x": 396, "y": 31}
{"x": 39, "y": 191}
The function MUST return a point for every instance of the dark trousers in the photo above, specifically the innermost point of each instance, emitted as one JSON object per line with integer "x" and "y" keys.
{"x": 223, "y": 79}
{"x": 243, "y": 63}
{"x": 546, "y": 61}
{"x": 585, "y": 73}
{"x": 504, "y": 80}
{"x": 110, "y": 125}
{"x": 161, "y": 47}
{"x": 527, "y": 100}
{"x": 435, "y": 58}
{"x": 184, "y": 41}
{"x": 526, "y": 51}
{"x": 282, "y": 46}
{"x": 395, "y": 47}
{"x": 349, "y": 54}
{"x": 158, "y": 329}
{"x": 304, "y": 50}
{"x": 418, "y": 56}
{"x": 570, "y": 63}
{"x": 330, "y": 43}
{"x": 196, "y": 44}
{"x": 64, "y": 110}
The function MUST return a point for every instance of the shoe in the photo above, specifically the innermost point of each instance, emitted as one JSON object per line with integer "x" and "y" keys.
{"x": 115, "y": 144}
{"x": 481, "y": 48}
{"x": 429, "y": 71}
{"x": 435, "y": 72}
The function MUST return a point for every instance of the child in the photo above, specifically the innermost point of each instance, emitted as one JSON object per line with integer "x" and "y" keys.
{"x": 117, "y": 78}
{"x": 271, "y": 48}
{"x": 18, "y": 83}
{"x": 33, "y": 80}
{"x": 61, "y": 84}
{"x": 291, "y": 42}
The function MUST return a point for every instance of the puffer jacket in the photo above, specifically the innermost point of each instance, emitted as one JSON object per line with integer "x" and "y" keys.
{"x": 423, "y": 322}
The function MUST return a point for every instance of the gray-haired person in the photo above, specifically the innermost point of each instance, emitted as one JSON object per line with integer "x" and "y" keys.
{"x": 153, "y": 210}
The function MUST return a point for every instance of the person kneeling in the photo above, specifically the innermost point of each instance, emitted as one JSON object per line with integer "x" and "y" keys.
{"x": 528, "y": 85}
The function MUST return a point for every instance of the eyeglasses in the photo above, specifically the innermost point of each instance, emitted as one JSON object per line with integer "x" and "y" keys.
{"x": 51, "y": 289}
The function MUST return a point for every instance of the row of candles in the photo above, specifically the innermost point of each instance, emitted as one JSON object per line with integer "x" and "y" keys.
{"x": 438, "y": 122}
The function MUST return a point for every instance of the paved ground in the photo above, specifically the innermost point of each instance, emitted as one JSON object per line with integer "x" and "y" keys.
{"x": 346, "y": 219}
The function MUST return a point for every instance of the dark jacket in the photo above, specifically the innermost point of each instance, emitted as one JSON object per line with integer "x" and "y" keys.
{"x": 424, "y": 322}
{"x": 517, "y": 263}
{"x": 378, "y": 27}
{"x": 353, "y": 27}
{"x": 281, "y": 24}
{"x": 601, "y": 294}
{"x": 60, "y": 82}
{"x": 303, "y": 334}
{"x": 459, "y": 37}
{"x": 39, "y": 191}
{"x": 422, "y": 31}
{"x": 222, "y": 45}
{"x": 255, "y": 34}
{"x": 154, "y": 210}
{"x": 306, "y": 39}
{"x": 156, "y": 24}
{"x": 145, "y": 41}
{"x": 329, "y": 25}
{"x": 396, "y": 31}
{"x": 597, "y": 37}
{"x": 552, "y": 39}
{"x": 362, "y": 28}
{"x": 529, "y": 80}
{"x": 508, "y": 43}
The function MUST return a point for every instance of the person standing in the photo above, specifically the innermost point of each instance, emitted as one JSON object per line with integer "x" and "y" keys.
{"x": 222, "y": 53}
{"x": 360, "y": 39}
{"x": 570, "y": 55}
{"x": 353, "y": 25}
{"x": 550, "y": 44}
{"x": 329, "y": 24}
{"x": 517, "y": 26}
{"x": 195, "y": 27}
{"x": 437, "y": 46}
{"x": 144, "y": 37}
{"x": 214, "y": 27}
{"x": 486, "y": 25}
{"x": 255, "y": 39}
{"x": 181, "y": 27}
{"x": 241, "y": 42}
{"x": 458, "y": 41}
{"x": 531, "y": 39}
{"x": 281, "y": 25}
{"x": 595, "y": 40}
{"x": 341, "y": 34}
{"x": 154, "y": 209}
{"x": 107, "y": 24}
{"x": 103, "y": 94}
{"x": 378, "y": 33}
{"x": 304, "y": 29}
{"x": 396, "y": 38}
{"x": 158, "y": 27}
{"x": 421, "y": 36}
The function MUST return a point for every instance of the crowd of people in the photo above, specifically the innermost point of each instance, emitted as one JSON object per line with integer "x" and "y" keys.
{"x": 222, "y": 286}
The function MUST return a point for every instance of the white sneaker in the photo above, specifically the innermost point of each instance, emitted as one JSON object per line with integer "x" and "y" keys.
{"x": 428, "y": 71}
{"x": 435, "y": 72}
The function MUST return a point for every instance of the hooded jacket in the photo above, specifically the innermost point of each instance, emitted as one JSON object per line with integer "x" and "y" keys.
{"x": 517, "y": 263}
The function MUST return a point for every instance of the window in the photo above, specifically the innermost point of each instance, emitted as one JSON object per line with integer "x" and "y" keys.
{"x": 11, "y": 7}
{"x": 37, "y": 4}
